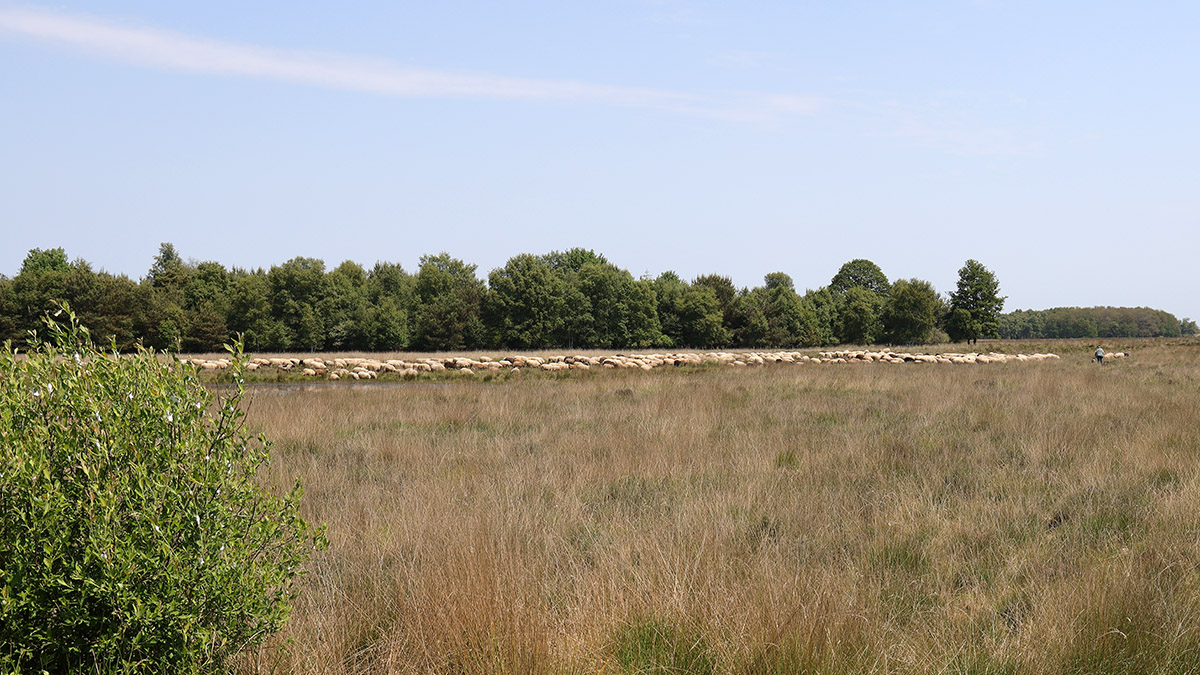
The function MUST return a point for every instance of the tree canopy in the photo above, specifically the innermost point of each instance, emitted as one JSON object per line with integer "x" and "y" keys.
{"x": 526, "y": 304}
{"x": 1090, "y": 322}
{"x": 911, "y": 312}
{"x": 860, "y": 273}
{"x": 975, "y": 304}
{"x": 573, "y": 299}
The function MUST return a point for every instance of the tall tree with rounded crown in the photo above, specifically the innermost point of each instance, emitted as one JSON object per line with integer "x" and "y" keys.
{"x": 860, "y": 273}
{"x": 975, "y": 305}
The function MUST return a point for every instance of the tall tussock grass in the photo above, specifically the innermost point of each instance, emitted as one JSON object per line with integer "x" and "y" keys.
{"x": 1005, "y": 518}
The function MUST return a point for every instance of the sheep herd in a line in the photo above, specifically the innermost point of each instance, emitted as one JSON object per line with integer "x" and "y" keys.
{"x": 356, "y": 368}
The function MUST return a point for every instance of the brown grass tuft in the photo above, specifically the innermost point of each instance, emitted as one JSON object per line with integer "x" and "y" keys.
{"x": 926, "y": 519}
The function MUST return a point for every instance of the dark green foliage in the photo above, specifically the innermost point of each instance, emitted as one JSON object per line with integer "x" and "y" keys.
{"x": 1022, "y": 325}
{"x": 526, "y": 304}
{"x": 208, "y": 284}
{"x": 783, "y": 311}
{"x": 773, "y": 315}
{"x": 297, "y": 288}
{"x": 623, "y": 311}
{"x": 111, "y": 306}
{"x": 165, "y": 287}
{"x": 449, "y": 303}
{"x": 690, "y": 316}
{"x": 188, "y": 305}
{"x": 390, "y": 297}
{"x": 911, "y": 312}
{"x": 1089, "y": 322}
{"x": 746, "y": 319}
{"x": 573, "y": 260}
{"x": 250, "y": 310}
{"x": 309, "y": 331}
{"x": 205, "y": 330}
{"x": 860, "y": 316}
{"x": 699, "y": 314}
{"x": 778, "y": 281}
{"x": 573, "y": 299}
{"x": 41, "y": 281}
{"x": 821, "y": 305}
{"x": 133, "y": 535}
{"x": 975, "y": 305}
{"x": 169, "y": 272}
{"x": 344, "y": 308}
{"x": 385, "y": 326}
{"x": 669, "y": 291}
{"x": 600, "y": 305}
{"x": 860, "y": 289}
{"x": 726, "y": 293}
{"x": 8, "y": 310}
{"x": 860, "y": 273}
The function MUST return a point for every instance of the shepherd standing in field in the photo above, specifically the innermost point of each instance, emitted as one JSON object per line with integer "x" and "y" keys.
{"x": 1100, "y": 355}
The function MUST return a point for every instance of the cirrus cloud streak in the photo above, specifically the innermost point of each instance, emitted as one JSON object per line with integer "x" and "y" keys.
{"x": 158, "y": 48}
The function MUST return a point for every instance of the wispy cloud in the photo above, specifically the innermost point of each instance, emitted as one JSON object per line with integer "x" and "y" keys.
{"x": 953, "y": 125}
{"x": 978, "y": 124}
{"x": 158, "y": 48}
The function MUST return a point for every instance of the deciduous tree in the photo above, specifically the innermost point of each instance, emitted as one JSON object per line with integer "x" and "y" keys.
{"x": 975, "y": 304}
{"x": 623, "y": 310}
{"x": 525, "y": 307}
{"x": 859, "y": 316}
{"x": 911, "y": 312}
{"x": 449, "y": 301}
{"x": 860, "y": 273}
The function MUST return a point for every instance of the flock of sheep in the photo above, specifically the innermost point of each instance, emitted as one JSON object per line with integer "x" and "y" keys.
{"x": 367, "y": 368}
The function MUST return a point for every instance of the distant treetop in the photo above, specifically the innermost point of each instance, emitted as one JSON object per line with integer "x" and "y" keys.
{"x": 860, "y": 273}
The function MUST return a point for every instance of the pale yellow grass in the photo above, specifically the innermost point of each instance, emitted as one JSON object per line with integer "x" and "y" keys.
{"x": 879, "y": 518}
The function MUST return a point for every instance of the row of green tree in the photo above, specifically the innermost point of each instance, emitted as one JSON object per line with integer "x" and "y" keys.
{"x": 572, "y": 299}
{"x": 1093, "y": 322}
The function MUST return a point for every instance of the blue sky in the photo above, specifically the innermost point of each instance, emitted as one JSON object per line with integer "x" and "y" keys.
{"x": 1057, "y": 143}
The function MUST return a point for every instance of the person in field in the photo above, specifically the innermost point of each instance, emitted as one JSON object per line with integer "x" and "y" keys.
{"x": 1100, "y": 355}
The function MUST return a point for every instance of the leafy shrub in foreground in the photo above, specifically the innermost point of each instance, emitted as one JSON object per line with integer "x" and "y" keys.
{"x": 133, "y": 536}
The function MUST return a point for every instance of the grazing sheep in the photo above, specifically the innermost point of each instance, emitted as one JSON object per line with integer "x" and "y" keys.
{"x": 360, "y": 368}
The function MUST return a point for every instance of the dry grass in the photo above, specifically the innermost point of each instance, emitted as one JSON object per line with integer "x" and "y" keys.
{"x": 926, "y": 519}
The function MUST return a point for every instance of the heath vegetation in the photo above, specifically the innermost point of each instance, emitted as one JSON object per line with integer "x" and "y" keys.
{"x": 992, "y": 518}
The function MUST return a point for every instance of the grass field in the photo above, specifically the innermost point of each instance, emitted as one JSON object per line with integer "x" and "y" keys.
{"x": 1024, "y": 517}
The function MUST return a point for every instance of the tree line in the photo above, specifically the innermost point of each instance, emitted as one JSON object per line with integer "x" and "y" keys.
{"x": 1093, "y": 322}
{"x": 573, "y": 299}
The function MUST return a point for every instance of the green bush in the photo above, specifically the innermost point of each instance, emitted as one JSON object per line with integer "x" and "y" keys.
{"x": 133, "y": 535}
